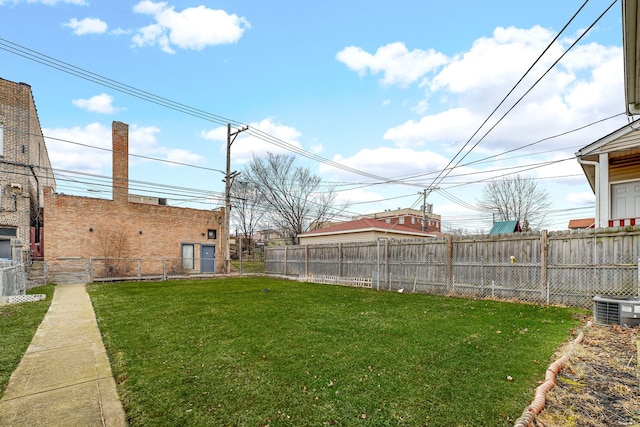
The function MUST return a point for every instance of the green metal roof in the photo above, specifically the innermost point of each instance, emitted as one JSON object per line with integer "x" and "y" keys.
{"x": 503, "y": 227}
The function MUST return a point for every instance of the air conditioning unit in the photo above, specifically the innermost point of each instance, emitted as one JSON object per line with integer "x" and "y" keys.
{"x": 612, "y": 310}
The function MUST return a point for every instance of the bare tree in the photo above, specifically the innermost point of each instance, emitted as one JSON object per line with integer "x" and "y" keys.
{"x": 248, "y": 208}
{"x": 295, "y": 201}
{"x": 518, "y": 198}
{"x": 114, "y": 246}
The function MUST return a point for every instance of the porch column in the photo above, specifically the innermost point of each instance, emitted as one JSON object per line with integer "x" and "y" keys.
{"x": 603, "y": 192}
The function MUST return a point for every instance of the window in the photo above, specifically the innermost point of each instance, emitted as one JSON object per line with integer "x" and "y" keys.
{"x": 388, "y": 220}
{"x": 1, "y": 139}
{"x": 5, "y": 249}
{"x": 187, "y": 256}
{"x": 211, "y": 234}
{"x": 401, "y": 220}
{"x": 413, "y": 220}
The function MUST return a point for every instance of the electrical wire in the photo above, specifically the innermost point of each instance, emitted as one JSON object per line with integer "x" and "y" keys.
{"x": 95, "y": 78}
{"x": 73, "y": 70}
{"x": 438, "y": 178}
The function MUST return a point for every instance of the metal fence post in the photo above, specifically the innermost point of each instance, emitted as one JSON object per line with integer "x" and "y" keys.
{"x": 482, "y": 275}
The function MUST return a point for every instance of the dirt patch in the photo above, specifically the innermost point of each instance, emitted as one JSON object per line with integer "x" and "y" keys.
{"x": 599, "y": 386}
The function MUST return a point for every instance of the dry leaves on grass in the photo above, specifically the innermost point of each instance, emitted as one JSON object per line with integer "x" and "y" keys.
{"x": 598, "y": 387}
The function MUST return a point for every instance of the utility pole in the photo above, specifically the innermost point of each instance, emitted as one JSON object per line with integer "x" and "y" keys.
{"x": 228, "y": 180}
{"x": 424, "y": 206}
{"x": 424, "y": 193}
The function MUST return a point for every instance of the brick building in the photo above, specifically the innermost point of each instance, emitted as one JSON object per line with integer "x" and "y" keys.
{"x": 25, "y": 170}
{"x": 411, "y": 218}
{"x": 130, "y": 227}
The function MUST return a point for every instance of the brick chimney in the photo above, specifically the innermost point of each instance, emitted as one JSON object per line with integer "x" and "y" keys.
{"x": 120, "y": 156}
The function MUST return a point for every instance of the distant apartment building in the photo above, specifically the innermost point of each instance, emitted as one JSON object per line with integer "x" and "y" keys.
{"x": 425, "y": 221}
{"x": 25, "y": 170}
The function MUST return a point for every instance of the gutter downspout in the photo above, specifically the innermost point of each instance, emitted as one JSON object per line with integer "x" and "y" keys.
{"x": 597, "y": 186}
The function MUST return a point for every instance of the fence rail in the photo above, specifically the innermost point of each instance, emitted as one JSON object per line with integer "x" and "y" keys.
{"x": 559, "y": 267}
{"x": 104, "y": 269}
{"x": 81, "y": 270}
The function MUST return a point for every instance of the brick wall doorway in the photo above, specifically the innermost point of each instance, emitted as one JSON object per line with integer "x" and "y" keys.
{"x": 208, "y": 258}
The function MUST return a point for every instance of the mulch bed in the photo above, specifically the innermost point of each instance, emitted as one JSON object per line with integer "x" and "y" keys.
{"x": 599, "y": 385}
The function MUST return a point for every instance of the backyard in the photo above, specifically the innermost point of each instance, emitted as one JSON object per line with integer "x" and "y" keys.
{"x": 259, "y": 351}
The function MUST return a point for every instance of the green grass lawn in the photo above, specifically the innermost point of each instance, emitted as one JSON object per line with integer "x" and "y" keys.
{"x": 226, "y": 353}
{"x": 18, "y": 324}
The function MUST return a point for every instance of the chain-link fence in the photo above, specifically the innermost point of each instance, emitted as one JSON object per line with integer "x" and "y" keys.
{"x": 564, "y": 284}
{"x": 567, "y": 268}
{"x": 148, "y": 268}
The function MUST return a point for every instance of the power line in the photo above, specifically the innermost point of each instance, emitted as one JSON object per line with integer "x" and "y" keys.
{"x": 73, "y": 70}
{"x": 435, "y": 181}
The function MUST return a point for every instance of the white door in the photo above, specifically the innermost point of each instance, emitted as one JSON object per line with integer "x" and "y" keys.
{"x": 625, "y": 200}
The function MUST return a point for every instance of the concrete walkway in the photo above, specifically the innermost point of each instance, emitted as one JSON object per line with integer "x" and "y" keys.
{"x": 64, "y": 378}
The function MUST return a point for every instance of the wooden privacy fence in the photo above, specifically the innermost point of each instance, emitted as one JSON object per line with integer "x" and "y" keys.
{"x": 548, "y": 267}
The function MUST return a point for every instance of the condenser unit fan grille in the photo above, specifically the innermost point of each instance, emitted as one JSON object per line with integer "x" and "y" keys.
{"x": 606, "y": 313}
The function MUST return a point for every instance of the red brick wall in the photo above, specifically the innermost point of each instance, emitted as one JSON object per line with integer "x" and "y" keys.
{"x": 69, "y": 219}
{"x": 120, "y": 160}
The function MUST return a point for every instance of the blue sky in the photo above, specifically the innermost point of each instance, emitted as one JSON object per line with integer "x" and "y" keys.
{"x": 392, "y": 89}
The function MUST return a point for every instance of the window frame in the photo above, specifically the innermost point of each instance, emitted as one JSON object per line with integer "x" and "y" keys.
{"x": 188, "y": 262}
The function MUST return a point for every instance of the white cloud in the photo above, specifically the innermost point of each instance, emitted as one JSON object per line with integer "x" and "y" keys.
{"x": 316, "y": 148}
{"x": 144, "y": 142}
{"x": 563, "y": 167}
{"x": 247, "y": 145}
{"x": 179, "y": 155}
{"x": 421, "y": 108}
{"x": 494, "y": 61}
{"x": 71, "y": 148}
{"x": 120, "y": 32}
{"x": 394, "y": 61}
{"x": 389, "y": 162}
{"x": 65, "y": 154}
{"x": 102, "y": 104}
{"x": 585, "y": 87}
{"x": 581, "y": 198}
{"x": 192, "y": 28}
{"x": 359, "y": 196}
{"x": 441, "y": 127}
{"x": 87, "y": 26}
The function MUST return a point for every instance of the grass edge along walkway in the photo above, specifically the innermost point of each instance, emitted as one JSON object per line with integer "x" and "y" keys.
{"x": 18, "y": 323}
{"x": 262, "y": 351}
